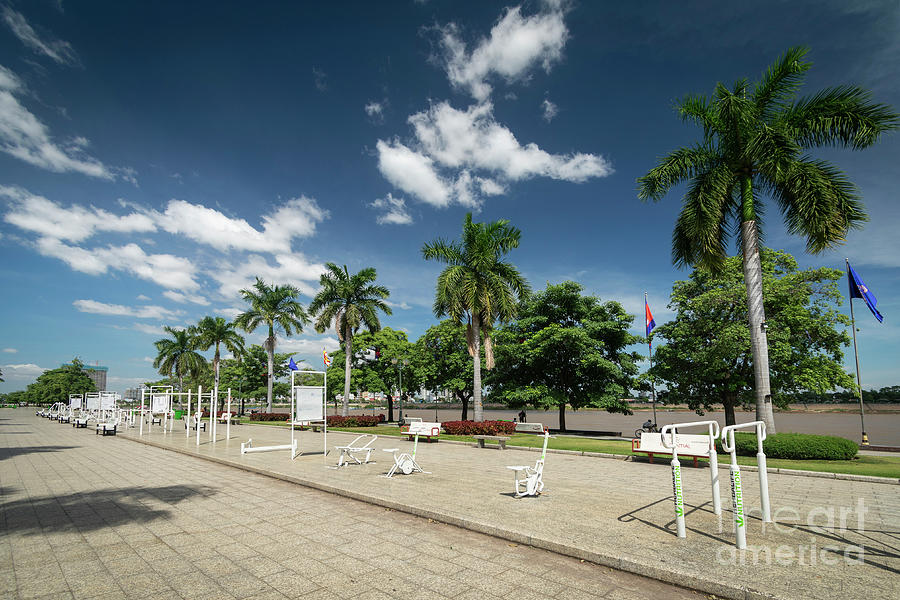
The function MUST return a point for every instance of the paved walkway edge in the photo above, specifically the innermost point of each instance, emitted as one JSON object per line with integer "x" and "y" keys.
{"x": 653, "y": 569}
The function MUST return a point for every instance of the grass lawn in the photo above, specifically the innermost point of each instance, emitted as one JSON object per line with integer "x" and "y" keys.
{"x": 877, "y": 466}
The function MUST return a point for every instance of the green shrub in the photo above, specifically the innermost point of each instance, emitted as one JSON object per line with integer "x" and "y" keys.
{"x": 797, "y": 446}
{"x": 353, "y": 421}
{"x": 475, "y": 428}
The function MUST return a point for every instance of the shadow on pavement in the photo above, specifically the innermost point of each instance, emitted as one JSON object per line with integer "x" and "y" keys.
{"x": 97, "y": 509}
{"x": 12, "y": 452}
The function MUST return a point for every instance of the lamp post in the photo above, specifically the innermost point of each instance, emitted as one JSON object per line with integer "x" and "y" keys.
{"x": 400, "y": 364}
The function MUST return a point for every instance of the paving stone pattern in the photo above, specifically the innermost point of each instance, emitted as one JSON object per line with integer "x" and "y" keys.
{"x": 615, "y": 512}
{"x": 83, "y": 516}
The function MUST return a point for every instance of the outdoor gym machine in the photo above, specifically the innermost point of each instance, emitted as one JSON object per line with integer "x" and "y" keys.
{"x": 713, "y": 428}
{"x": 737, "y": 494}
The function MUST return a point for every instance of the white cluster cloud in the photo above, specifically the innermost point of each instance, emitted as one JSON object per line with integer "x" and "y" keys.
{"x": 516, "y": 45}
{"x": 22, "y": 371}
{"x": 393, "y": 211}
{"x": 59, "y": 228}
{"x": 60, "y": 51}
{"x": 462, "y": 156}
{"x": 452, "y": 145}
{"x": 140, "y": 312}
{"x": 149, "y": 329}
{"x": 308, "y": 346}
{"x": 10, "y": 350}
{"x": 23, "y": 136}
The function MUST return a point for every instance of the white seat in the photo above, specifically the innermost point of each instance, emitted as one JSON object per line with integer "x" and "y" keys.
{"x": 530, "y": 480}
{"x": 350, "y": 451}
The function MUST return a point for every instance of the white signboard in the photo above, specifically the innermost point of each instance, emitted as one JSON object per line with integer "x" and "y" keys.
{"x": 107, "y": 400}
{"x": 75, "y": 402}
{"x": 159, "y": 403}
{"x": 93, "y": 401}
{"x": 309, "y": 403}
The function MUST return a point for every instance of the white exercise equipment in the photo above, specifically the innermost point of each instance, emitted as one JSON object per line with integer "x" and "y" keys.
{"x": 673, "y": 444}
{"x": 357, "y": 447}
{"x": 737, "y": 493}
{"x": 406, "y": 462}
{"x": 529, "y": 481}
{"x": 308, "y": 404}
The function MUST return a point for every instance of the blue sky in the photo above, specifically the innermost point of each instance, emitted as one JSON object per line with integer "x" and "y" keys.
{"x": 155, "y": 157}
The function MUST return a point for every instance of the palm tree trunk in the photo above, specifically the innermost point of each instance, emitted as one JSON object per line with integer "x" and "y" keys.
{"x": 476, "y": 344}
{"x": 348, "y": 350}
{"x": 465, "y": 406}
{"x": 270, "y": 350}
{"x": 756, "y": 312}
{"x": 562, "y": 416}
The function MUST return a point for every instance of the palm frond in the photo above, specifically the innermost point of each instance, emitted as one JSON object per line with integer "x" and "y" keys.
{"x": 781, "y": 81}
{"x": 680, "y": 165}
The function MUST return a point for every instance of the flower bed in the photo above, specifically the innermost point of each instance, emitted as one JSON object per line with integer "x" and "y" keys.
{"x": 476, "y": 428}
{"x": 269, "y": 417}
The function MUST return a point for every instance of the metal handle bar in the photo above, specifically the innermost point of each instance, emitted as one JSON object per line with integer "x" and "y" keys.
{"x": 728, "y": 434}
{"x": 713, "y": 429}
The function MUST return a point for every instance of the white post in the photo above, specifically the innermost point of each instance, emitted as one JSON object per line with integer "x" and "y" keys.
{"x": 713, "y": 429}
{"x": 763, "y": 473}
{"x": 142, "y": 411}
{"x": 212, "y": 416}
{"x": 714, "y": 469}
{"x": 228, "y": 424}
{"x": 678, "y": 494}
{"x": 737, "y": 493}
{"x": 187, "y": 421}
{"x": 199, "y": 410}
{"x": 291, "y": 418}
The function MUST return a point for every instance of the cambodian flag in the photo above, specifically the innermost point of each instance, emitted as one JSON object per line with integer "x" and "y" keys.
{"x": 292, "y": 365}
{"x": 650, "y": 322}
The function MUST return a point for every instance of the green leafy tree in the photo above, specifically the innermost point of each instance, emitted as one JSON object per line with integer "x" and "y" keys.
{"x": 755, "y": 142}
{"x": 277, "y": 308}
{"x": 55, "y": 385}
{"x": 379, "y": 373}
{"x": 249, "y": 376}
{"x": 216, "y": 331}
{"x": 707, "y": 359}
{"x": 566, "y": 348}
{"x": 177, "y": 356}
{"x": 478, "y": 287}
{"x": 444, "y": 362}
{"x": 348, "y": 302}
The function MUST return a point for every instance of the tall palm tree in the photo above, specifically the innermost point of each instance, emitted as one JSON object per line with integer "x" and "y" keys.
{"x": 478, "y": 286}
{"x": 348, "y": 301}
{"x": 277, "y": 308}
{"x": 756, "y": 142}
{"x": 216, "y": 331}
{"x": 177, "y": 356}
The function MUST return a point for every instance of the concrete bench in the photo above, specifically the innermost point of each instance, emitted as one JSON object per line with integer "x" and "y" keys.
{"x": 529, "y": 428}
{"x": 693, "y": 446}
{"x": 501, "y": 440}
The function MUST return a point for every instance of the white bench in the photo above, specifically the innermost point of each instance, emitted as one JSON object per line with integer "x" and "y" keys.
{"x": 418, "y": 428}
{"x": 80, "y": 421}
{"x": 194, "y": 421}
{"x": 350, "y": 451}
{"x": 529, "y": 481}
{"x": 107, "y": 427}
{"x": 691, "y": 445}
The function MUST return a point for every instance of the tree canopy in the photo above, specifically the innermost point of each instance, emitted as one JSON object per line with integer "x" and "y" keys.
{"x": 707, "y": 359}
{"x": 55, "y": 385}
{"x": 566, "y": 348}
{"x": 444, "y": 362}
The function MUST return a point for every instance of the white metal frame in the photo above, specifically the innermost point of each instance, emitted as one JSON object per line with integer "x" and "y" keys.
{"x": 737, "y": 494}
{"x": 677, "y": 489}
{"x": 350, "y": 451}
{"x": 300, "y": 416}
{"x": 406, "y": 462}
{"x": 529, "y": 481}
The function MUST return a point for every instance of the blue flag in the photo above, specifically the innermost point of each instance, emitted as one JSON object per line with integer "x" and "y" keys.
{"x": 292, "y": 365}
{"x": 858, "y": 289}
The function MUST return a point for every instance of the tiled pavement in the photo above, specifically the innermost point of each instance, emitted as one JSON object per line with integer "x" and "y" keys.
{"x": 88, "y": 517}
{"x": 618, "y": 513}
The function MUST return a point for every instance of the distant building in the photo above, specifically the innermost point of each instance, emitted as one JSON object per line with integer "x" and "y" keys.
{"x": 96, "y": 373}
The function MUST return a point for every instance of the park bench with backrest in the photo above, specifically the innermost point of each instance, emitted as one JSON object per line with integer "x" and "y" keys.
{"x": 481, "y": 439}
{"x": 693, "y": 446}
{"x": 416, "y": 425}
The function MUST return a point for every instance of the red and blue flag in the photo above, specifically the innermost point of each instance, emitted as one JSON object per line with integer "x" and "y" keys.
{"x": 650, "y": 322}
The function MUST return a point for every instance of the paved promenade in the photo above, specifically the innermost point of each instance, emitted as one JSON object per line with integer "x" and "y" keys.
{"x": 88, "y": 517}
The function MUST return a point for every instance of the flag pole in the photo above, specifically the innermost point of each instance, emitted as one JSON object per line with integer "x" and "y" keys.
{"x": 652, "y": 384}
{"x": 862, "y": 414}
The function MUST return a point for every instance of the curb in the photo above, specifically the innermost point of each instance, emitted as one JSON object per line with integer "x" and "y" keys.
{"x": 649, "y": 569}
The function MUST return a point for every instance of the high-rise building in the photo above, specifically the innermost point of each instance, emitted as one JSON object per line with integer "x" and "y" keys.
{"x": 96, "y": 373}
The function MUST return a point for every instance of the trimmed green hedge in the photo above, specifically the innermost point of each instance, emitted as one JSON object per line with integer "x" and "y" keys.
{"x": 354, "y": 421}
{"x": 797, "y": 446}
{"x": 475, "y": 428}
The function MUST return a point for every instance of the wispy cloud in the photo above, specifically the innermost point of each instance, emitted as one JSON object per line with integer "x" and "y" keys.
{"x": 10, "y": 350}
{"x": 185, "y": 298}
{"x": 320, "y": 79}
{"x": 375, "y": 111}
{"x": 21, "y": 371}
{"x": 141, "y": 312}
{"x": 149, "y": 329}
{"x": 393, "y": 211}
{"x": 58, "y": 50}
{"x": 23, "y": 136}
{"x": 550, "y": 110}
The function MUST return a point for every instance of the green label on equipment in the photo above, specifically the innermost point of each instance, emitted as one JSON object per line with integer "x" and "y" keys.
{"x": 676, "y": 487}
{"x": 737, "y": 498}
